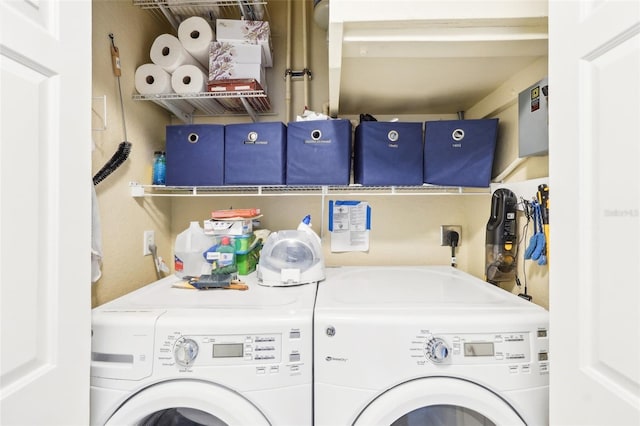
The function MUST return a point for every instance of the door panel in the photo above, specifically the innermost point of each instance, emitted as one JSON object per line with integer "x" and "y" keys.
{"x": 594, "y": 84}
{"x": 45, "y": 179}
{"x": 611, "y": 224}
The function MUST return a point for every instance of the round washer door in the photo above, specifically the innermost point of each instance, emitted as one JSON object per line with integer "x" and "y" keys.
{"x": 200, "y": 402}
{"x": 440, "y": 400}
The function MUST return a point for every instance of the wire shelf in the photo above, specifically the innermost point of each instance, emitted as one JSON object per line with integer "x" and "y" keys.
{"x": 208, "y": 9}
{"x": 254, "y": 102}
{"x": 139, "y": 190}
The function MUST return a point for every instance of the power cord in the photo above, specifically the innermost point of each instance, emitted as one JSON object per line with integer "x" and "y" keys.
{"x": 527, "y": 208}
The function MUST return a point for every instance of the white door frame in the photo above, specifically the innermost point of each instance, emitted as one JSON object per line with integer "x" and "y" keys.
{"x": 45, "y": 211}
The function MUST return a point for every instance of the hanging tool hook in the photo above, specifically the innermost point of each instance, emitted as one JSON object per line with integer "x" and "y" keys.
{"x": 124, "y": 148}
{"x": 115, "y": 62}
{"x": 115, "y": 57}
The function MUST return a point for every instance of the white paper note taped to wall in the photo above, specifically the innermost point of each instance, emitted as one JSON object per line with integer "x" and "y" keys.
{"x": 349, "y": 224}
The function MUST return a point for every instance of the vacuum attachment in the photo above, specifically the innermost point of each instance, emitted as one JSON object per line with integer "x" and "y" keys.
{"x": 502, "y": 238}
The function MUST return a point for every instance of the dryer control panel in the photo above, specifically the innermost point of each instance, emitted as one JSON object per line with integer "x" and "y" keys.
{"x": 477, "y": 348}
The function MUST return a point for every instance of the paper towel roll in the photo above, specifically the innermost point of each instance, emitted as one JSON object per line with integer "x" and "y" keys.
{"x": 189, "y": 79}
{"x": 168, "y": 52}
{"x": 152, "y": 79}
{"x": 196, "y": 34}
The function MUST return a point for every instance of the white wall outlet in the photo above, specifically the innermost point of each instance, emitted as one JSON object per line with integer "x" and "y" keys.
{"x": 445, "y": 239}
{"x": 149, "y": 238}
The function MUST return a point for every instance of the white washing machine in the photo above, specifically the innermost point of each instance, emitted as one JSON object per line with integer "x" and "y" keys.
{"x": 167, "y": 356}
{"x": 426, "y": 345}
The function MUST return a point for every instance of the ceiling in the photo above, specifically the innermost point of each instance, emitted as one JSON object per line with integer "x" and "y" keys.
{"x": 427, "y": 67}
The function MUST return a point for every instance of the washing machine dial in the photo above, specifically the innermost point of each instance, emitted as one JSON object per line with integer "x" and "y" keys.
{"x": 185, "y": 351}
{"x": 437, "y": 350}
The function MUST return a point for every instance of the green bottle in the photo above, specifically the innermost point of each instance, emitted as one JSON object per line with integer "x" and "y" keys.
{"x": 224, "y": 260}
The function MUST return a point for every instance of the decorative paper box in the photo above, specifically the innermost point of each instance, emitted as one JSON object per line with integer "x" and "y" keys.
{"x": 241, "y": 53}
{"x": 243, "y": 31}
{"x": 231, "y": 70}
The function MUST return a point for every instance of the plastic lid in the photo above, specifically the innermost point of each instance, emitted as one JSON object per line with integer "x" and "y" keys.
{"x": 225, "y": 241}
{"x": 290, "y": 249}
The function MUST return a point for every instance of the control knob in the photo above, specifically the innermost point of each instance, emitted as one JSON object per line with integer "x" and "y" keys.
{"x": 185, "y": 351}
{"x": 437, "y": 350}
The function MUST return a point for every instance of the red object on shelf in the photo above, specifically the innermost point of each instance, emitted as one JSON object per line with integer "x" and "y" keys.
{"x": 226, "y": 214}
{"x": 234, "y": 85}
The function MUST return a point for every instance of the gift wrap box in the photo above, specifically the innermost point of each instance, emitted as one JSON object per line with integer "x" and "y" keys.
{"x": 255, "y": 153}
{"x": 319, "y": 152}
{"x": 388, "y": 153}
{"x": 240, "y": 53}
{"x": 195, "y": 155}
{"x": 235, "y": 71}
{"x": 245, "y": 31}
{"x": 459, "y": 152}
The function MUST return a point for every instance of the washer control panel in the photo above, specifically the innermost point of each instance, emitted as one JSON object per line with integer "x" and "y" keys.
{"x": 227, "y": 349}
{"x": 437, "y": 350}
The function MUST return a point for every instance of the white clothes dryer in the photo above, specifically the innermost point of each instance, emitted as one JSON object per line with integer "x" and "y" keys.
{"x": 165, "y": 356}
{"x": 426, "y": 345}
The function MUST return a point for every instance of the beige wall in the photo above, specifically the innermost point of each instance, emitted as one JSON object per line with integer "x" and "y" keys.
{"x": 503, "y": 104}
{"x": 405, "y": 228}
{"x": 123, "y": 218}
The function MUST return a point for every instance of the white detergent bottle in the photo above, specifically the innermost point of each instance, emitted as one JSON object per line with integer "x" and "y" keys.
{"x": 191, "y": 243}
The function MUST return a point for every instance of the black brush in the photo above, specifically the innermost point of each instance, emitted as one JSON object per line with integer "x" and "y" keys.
{"x": 119, "y": 157}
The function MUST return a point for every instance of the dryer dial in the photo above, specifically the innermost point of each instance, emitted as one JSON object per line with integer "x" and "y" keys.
{"x": 437, "y": 350}
{"x": 185, "y": 351}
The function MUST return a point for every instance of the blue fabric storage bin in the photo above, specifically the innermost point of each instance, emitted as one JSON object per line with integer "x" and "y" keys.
{"x": 459, "y": 152}
{"x": 319, "y": 152}
{"x": 388, "y": 153}
{"x": 195, "y": 155}
{"x": 255, "y": 153}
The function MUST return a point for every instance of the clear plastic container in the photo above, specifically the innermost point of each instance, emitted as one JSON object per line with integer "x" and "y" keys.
{"x": 189, "y": 259}
{"x": 290, "y": 249}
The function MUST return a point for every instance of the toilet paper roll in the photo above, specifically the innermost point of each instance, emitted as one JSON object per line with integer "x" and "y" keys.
{"x": 196, "y": 34}
{"x": 168, "y": 52}
{"x": 152, "y": 79}
{"x": 189, "y": 79}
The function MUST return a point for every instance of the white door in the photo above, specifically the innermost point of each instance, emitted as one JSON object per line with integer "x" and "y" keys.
{"x": 594, "y": 108}
{"x": 45, "y": 211}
